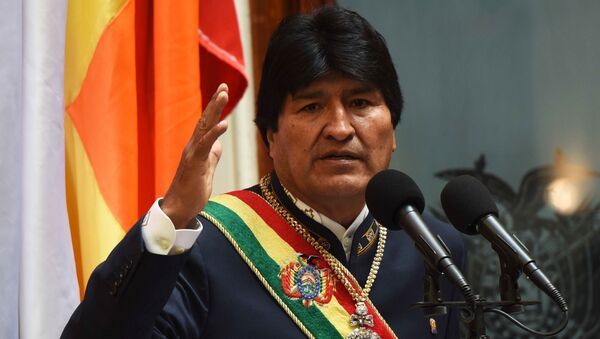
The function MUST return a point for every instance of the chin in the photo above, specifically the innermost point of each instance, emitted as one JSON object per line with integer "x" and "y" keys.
{"x": 344, "y": 185}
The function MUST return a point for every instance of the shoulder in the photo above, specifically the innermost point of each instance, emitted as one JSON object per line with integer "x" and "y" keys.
{"x": 449, "y": 234}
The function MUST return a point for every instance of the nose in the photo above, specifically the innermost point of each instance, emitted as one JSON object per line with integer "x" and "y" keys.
{"x": 339, "y": 124}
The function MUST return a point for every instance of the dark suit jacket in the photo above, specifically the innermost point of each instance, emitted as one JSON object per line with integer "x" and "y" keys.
{"x": 209, "y": 292}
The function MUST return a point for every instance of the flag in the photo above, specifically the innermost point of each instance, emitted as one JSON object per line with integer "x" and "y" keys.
{"x": 137, "y": 74}
{"x": 38, "y": 285}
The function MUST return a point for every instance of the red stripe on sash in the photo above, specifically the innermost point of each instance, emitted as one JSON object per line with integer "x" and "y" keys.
{"x": 301, "y": 245}
{"x": 277, "y": 223}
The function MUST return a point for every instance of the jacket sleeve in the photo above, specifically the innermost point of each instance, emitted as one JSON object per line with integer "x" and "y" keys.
{"x": 135, "y": 294}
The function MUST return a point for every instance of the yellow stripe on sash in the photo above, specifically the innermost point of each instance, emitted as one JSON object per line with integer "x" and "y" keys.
{"x": 277, "y": 248}
{"x": 282, "y": 253}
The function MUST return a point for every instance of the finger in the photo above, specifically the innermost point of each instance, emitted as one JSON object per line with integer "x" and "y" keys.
{"x": 207, "y": 140}
{"x": 216, "y": 150}
{"x": 213, "y": 160}
{"x": 215, "y": 105}
{"x": 209, "y": 118}
{"x": 213, "y": 110}
{"x": 214, "y": 156}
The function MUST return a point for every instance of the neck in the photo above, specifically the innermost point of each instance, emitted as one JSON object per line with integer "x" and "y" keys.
{"x": 342, "y": 211}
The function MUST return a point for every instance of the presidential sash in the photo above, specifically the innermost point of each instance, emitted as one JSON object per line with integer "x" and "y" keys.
{"x": 290, "y": 268}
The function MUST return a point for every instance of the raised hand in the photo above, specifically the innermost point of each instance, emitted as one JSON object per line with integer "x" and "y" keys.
{"x": 192, "y": 185}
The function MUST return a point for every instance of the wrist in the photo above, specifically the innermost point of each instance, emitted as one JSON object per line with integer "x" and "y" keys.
{"x": 179, "y": 220}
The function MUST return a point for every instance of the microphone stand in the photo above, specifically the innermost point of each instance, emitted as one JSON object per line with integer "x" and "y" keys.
{"x": 508, "y": 282}
{"x": 476, "y": 320}
{"x": 472, "y": 313}
{"x": 432, "y": 293}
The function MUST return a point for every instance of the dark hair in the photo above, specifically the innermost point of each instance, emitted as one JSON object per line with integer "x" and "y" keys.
{"x": 305, "y": 48}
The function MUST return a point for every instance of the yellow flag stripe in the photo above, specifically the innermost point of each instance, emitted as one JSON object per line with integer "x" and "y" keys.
{"x": 100, "y": 231}
{"x": 86, "y": 21}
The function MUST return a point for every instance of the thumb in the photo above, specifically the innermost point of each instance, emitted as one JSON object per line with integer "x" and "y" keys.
{"x": 214, "y": 156}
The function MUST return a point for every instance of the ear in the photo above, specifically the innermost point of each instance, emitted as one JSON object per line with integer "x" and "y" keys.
{"x": 269, "y": 141}
{"x": 394, "y": 142}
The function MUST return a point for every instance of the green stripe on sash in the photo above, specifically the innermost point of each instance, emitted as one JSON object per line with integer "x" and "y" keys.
{"x": 231, "y": 223}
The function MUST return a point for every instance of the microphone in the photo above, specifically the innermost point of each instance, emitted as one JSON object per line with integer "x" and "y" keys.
{"x": 396, "y": 201}
{"x": 471, "y": 209}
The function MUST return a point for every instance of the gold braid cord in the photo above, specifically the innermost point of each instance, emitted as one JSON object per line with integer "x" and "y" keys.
{"x": 340, "y": 271}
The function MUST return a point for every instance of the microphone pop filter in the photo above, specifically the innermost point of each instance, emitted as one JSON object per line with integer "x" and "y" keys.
{"x": 466, "y": 200}
{"x": 388, "y": 191}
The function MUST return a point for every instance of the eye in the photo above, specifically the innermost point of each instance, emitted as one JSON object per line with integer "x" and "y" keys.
{"x": 360, "y": 103}
{"x": 313, "y": 107}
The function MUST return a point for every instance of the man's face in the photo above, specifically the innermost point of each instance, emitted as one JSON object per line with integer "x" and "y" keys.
{"x": 332, "y": 137}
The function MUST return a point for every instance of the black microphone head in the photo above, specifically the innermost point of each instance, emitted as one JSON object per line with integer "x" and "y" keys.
{"x": 389, "y": 190}
{"x": 466, "y": 200}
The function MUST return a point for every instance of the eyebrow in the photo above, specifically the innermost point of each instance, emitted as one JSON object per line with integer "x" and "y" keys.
{"x": 309, "y": 95}
{"x": 364, "y": 89}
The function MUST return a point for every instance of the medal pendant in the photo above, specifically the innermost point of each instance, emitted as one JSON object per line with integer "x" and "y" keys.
{"x": 363, "y": 320}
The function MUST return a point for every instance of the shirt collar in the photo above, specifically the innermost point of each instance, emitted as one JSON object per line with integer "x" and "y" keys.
{"x": 336, "y": 228}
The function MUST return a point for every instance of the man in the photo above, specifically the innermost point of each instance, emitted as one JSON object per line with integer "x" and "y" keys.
{"x": 299, "y": 254}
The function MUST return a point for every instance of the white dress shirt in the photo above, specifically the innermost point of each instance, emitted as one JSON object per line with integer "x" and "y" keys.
{"x": 161, "y": 237}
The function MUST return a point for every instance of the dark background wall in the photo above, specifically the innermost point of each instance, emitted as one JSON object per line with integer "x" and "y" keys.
{"x": 519, "y": 83}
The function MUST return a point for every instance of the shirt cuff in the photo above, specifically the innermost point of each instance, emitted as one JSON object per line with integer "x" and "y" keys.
{"x": 161, "y": 237}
